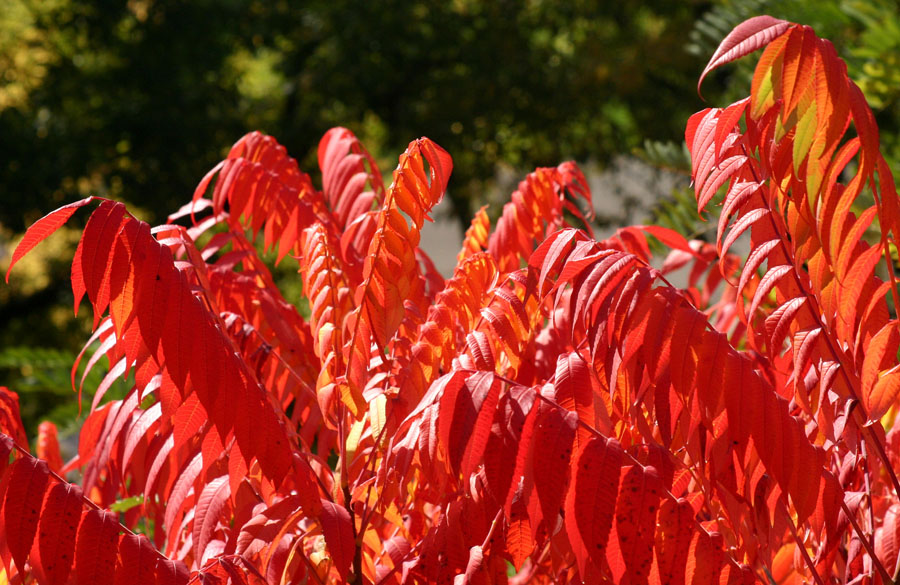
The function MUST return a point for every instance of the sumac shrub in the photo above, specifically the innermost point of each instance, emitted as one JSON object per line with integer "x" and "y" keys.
{"x": 556, "y": 411}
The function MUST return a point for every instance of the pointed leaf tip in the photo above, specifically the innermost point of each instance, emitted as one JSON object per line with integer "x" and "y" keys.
{"x": 746, "y": 37}
{"x": 43, "y": 228}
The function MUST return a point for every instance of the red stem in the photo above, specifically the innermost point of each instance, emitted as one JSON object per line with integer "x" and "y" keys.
{"x": 866, "y": 544}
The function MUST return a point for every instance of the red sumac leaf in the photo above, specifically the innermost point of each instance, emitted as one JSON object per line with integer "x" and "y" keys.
{"x": 95, "y": 549}
{"x": 56, "y": 532}
{"x": 519, "y": 542}
{"x": 474, "y": 567}
{"x": 28, "y": 479}
{"x": 171, "y": 572}
{"x": 10, "y": 419}
{"x": 209, "y": 507}
{"x": 574, "y": 391}
{"x": 6, "y": 448}
{"x": 137, "y": 561}
{"x": 338, "y": 531}
{"x": 43, "y": 228}
{"x": 705, "y": 558}
{"x": 554, "y": 433}
{"x": 262, "y": 529}
{"x": 504, "y": 441}
{"x": 98, "y": 244}
{"x": 887, "y": 542}
{"x": 591, "y": 499}
{"x": 638, "y": 502}
{"x": 675, "y": 522}
{"x": 48, "y": 446}
{"x": 746, "y": 37}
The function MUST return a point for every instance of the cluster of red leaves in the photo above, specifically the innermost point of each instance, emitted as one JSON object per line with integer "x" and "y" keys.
{"x": 556, "y": 411}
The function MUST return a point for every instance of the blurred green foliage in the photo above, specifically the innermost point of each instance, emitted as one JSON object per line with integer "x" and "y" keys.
{"x": 136, "y": 100}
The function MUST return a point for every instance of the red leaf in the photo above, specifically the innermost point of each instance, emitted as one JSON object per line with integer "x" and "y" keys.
{"x": 591, "y": 499}
{"x": 99, "y": 238}
{"x": 344, "y": 175}
{"x": 42, "y": 228}
{"x": 338, "y": 531}
{"x": 11, "y": 419}
{"x": 554, "y": 432}
{"x": 726, "y": 122}
{"x": 746, "y": 37}
{"x": 137, "y": 561}
{"x": 441, "y": 167}
{"x": 56, "y": 535}
{"x": 703, "y": 120}
{"x": 503, "y": 444}
{"x": 519, "y": 542}
{"x": 741, "y": 225}
{"x": 171, "y": 572}
{"x": 180, "y": 490}
{"x": 262, "y": 529}
{"x": 188, "y": 419}
{"x": 95, "y": 549}
{"x": 673, "y": 539}
{"x": 780, "y": 320}
{"x": 574, "y": 391}
{"x": 161, "y": 462}
{"x": 28, "y": 479}
{"x": 138, "y": 432}
{"x": 723, "y": 171}
{"x": 887, "y": 543}
{"x": 705, "y": 558}
{"x": 466, "y": 418}
{"x": 474, "y": 567}
{"x": 638, "y": 502}
{"x": 48, "y": 446}
{"x": 206, "y": 517}
{"x": 667, "y": 236}
{"x": 6, "y": 447}
{"x": 523, "y": 457}
{"x": 754, "y": 260}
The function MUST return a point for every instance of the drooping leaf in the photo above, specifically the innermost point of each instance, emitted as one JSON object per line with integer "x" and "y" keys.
{"x": 554, "y": 434}
{"x": 591, "y": 500}
{"x": 747, "y": 37}
{"x": 96, "y": 547}
{"x": 338, "y": 530}
{"x": 137, "y": 561}
{"x": 56, "y": 533}
{"x": 209, "y": 507}
{"x": 28, "y": 478}
{"x": 638, "y": 503}
{"x": 43, "y": 228}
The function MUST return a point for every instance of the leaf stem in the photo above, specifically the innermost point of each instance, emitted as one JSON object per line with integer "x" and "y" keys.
{"x": 838, "y": 355}
{"x": 866, "y": 544}
{"x": 799, "y": 543}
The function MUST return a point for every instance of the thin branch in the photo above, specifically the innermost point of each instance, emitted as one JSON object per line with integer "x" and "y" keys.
{"x": 870, "y": 548}
{"x": 84, "y": 499}
{"x": 799, "y": 543}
